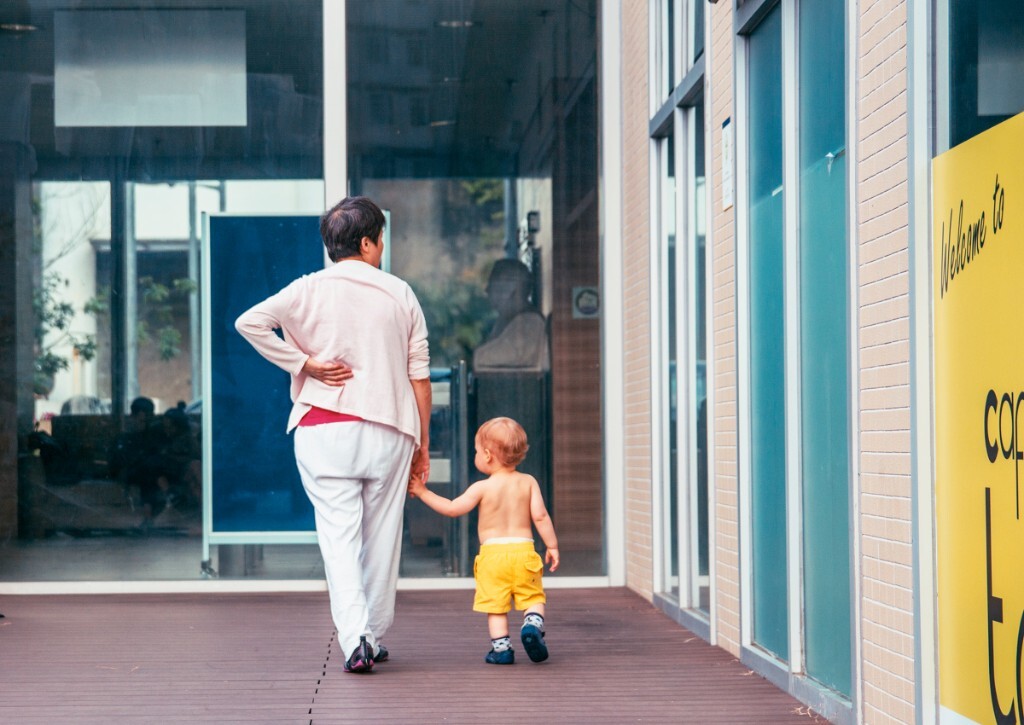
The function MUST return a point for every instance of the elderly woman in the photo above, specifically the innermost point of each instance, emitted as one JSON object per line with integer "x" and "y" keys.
{"x": 355, "y": 344}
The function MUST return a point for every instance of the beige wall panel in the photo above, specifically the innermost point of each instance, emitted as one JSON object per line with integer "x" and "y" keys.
{"x": 636, "y": 284}
{"x": 723, "y": 320}
{"x": 884, "y": 488}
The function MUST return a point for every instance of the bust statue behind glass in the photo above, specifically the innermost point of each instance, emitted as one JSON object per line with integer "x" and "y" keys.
{"x": 518, "y": 342}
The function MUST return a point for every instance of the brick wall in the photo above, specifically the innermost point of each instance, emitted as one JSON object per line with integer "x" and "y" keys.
{"x": 636, "y": 294}
{"x": 723, "y": 335}
{"x": 887, "y": 615}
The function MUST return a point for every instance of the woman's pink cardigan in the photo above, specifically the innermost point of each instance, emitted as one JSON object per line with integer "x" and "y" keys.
{"x": 355, "y": 314}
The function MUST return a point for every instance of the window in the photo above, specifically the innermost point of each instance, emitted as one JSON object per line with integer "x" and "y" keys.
{"x": 496, "y": 162}
{"x": 796, "y": 356}
{"x": 767, "y": 336}
{"x": 986, "y": 65}
{"x": 824, "y": 342}
{"x": 680, "y": 269}
{"x": 108, "y": 223}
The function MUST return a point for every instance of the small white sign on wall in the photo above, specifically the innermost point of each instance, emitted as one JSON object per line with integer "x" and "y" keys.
{"x": 727, "y": 164}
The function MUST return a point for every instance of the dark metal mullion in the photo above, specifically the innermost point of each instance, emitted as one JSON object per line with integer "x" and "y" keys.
{"x": 686, "y": 94}
{"x": 118, "y": 284}
{"x": 750, "y": 13}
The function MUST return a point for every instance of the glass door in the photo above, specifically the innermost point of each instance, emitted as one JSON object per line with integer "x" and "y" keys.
{"x": 479, "y": 135}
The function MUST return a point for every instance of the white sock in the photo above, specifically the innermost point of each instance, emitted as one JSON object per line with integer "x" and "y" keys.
{"x": 535, "y": 619}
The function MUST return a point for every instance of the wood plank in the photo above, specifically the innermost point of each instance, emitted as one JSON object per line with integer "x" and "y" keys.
{"x": 273, "y": 658}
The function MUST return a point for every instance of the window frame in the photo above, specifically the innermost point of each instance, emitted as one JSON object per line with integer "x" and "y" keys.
{"x": 790, "y": 675}
{"x": 671, "y": 115}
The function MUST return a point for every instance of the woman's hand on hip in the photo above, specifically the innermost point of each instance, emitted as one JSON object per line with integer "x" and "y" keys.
{"x": 331, "y": 373}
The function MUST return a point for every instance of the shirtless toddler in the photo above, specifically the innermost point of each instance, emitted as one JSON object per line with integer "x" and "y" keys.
{"x": 507, "y": 569}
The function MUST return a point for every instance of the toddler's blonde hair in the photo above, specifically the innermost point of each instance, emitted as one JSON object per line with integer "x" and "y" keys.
{"x": 506, "y": 439}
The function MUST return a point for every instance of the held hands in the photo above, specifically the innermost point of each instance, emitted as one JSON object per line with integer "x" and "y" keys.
{"x": 417, "y": 485}
{"x": 332, "y": 373}
{"x": 551, "y": 557}
{"x": 421, "y": 464}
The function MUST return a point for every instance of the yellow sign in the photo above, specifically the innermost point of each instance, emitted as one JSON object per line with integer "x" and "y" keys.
{"x": 978, "y": 257}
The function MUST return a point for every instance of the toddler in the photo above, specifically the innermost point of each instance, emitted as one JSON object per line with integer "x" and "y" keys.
{"x": 507, "y": 568}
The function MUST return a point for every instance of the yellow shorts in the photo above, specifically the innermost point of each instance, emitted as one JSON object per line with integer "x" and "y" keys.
{"x": 504, "y": 572}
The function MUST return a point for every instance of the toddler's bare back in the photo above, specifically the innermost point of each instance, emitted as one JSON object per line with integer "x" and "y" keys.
{"x": 505, "y": 506}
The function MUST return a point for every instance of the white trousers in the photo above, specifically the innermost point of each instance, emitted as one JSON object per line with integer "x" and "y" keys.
{"x": 356, "y": 474}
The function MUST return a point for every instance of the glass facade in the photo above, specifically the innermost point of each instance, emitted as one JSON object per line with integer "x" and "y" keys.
{"x": 824, "y": 343}
{"x": 799, "y": 349}
{"x": 668, "y": 52}
{"x": 696, "y": 30}
{"x": 681, "y": 204}
{"x": 986, "y": 54}
{"x": 114, "y": 152}
{"x": 767, "y": 333}
{"x": 698, "y": 524}
{"x": 476, "y": 127}
{"x": 124, "y": 126}
{"x": 669, "y": 276}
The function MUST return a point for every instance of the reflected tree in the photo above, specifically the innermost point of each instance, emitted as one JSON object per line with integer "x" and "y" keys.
{"x": 55, "y": 304}
{"x": 53, "y": 314}
{"x": 456, "y": 308}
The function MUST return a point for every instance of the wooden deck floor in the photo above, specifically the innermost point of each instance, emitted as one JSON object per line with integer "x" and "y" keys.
{"x": 272, "y": 659}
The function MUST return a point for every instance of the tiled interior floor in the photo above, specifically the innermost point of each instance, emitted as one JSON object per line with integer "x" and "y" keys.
{"x": 172, "y": 557}
{"x": 154, "y": 557}
{"x": 91, "y": 531}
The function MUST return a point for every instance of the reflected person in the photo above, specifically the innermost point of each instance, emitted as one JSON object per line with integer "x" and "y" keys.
{"x": 135, "y": 459}
{"x": 355, "y": 344}
{"x": 518, "y": 341}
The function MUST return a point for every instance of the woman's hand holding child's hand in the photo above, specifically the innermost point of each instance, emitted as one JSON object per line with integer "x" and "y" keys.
{"x": 417, "y": 484}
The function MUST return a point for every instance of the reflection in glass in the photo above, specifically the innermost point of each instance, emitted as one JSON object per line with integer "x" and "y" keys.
{"x": 70, "y": 298}
{"x": 107, "y": 241}
{"x": 697, "y": 27}
{"x": 824, "y": 354}
{"x": 464, "y": 130}
{"x": 478, "y": 134}
{"x": 667, "y": 174}
{"x": 668, "y": 45}
{"x": 700, "y": 593}
{"x": 986, "y": 65}
{"x": 767, "y": 333}
{"x": 518, "y": 337}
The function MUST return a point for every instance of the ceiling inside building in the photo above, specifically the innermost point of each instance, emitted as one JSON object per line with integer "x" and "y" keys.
{"x": 447, "y": 79}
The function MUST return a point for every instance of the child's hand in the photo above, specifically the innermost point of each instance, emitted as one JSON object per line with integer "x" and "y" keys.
{"x": 551, "y": 557}
{"x": 417, "y": 485}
